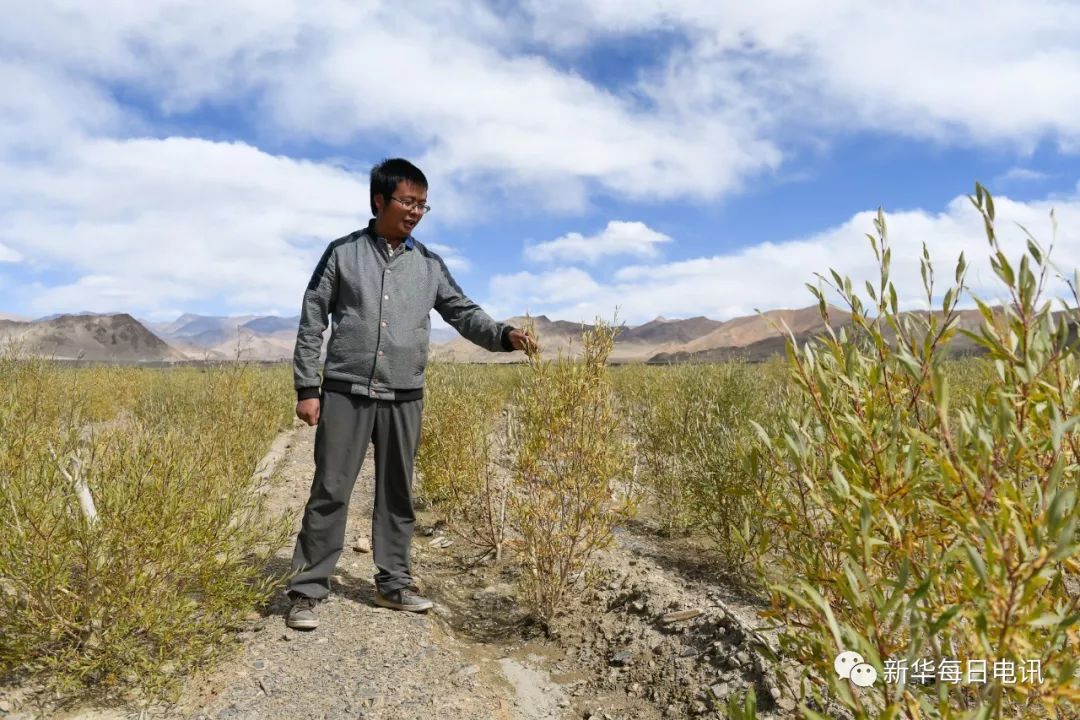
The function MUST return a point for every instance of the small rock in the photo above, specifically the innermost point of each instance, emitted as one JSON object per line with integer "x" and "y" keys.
{"x": 680, "y": 615}
{"x": 637, "y": 606}
{"x": 259, "y": 664}
{"x": 5, "y": 706}
{"x": 743, "y": 657}
{"x": 634, "y": 689}
{"x": 699, "y": 708}
{"x": 362, "y": 545}
{"x": 322, "y": 641}
{"x": 621, "y": 658}
{"x": 428, "y": 531}
{"x": 719, "y": 690}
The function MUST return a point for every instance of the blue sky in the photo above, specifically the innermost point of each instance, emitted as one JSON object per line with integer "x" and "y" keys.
{"x": 662, "y": 158}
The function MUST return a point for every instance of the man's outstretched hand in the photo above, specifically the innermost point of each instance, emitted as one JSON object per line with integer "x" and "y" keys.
{"x": 308, "y": 410}
{"x": 522, "y": 340}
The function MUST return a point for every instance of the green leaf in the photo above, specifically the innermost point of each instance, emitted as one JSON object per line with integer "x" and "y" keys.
{"x": 1034, "y": 250}
{"x": 1046, "y": 620}
{"x": 839, "y": 280}
{"x": 1003, "y": 269}
{"x": 1058, "y": 430}
{"x": 977, "y": 564}
{"x": 943, "y": 619}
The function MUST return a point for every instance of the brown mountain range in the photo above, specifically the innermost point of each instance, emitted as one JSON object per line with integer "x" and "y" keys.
{"x": 122, "y": 338}
{"x": 660, "y": 340}
{"x": 115, "y": 338}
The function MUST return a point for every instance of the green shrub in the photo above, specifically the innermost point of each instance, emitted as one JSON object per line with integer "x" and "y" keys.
{"x": 693, "y": 439}
{"x": 571, "y": 454}
{"x": 151, "y": 587}
{"x": 656, "y": 403}
{"x": 458, "y": 452}
{"x": 907, "y": 526}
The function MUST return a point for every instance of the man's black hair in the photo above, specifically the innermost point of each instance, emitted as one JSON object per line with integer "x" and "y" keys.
{"x": 386, "y": 175}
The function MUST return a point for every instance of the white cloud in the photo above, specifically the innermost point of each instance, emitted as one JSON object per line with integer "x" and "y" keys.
{"x": 618, "y": 238}
{"x": 151, "y": 224}
{"x": 947, "y": 71}
{"x": 773, "y": 275}
{"x": 9, "y": 255}
{"x": 451, "y": 256}
{"x": 479, "y": 104}
{"x": 516, "y": 293}
{"x": 475, "y": 104}
{"x": 88, "y": 185}
{"x": 1020, "y": 174}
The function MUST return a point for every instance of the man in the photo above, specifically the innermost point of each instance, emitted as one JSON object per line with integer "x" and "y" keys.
{"x": 379, "y": 284}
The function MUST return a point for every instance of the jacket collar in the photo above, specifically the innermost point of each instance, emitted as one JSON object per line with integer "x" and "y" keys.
{"x": 410, "y": 243}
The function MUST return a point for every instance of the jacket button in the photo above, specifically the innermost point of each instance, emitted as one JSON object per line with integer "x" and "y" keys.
{"x": 383, "y": 323}
{"x": 380, "y": 353}
{"x": 385, "y": 297}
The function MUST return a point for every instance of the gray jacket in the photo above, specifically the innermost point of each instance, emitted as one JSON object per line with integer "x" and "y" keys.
{"x": 381, "y": 327}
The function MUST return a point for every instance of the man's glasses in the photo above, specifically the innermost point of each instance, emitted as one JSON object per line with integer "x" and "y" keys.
{"x": 411, "y": 205}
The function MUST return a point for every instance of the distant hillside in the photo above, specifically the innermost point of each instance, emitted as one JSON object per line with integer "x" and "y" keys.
{"x": 272, "y": 324}
{"x": 555, "y": 336}
{"x": 752, "y": 337}
{"x": 249, "y": 337}
{"x": 122, "y": 338}
{"x": 969, "y": 320}
{"x": 117, "y": 337}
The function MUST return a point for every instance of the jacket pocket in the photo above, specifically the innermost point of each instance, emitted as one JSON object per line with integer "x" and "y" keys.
{"x": 422, "y": 341}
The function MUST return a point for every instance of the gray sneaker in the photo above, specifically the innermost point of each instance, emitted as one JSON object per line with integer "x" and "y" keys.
{"x": 403, "y": 599}
{"x": 302, "y": 614}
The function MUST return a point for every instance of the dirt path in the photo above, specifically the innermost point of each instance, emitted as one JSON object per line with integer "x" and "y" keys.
{"x": 363, "y": 661}
{"x": 649, "y": 637}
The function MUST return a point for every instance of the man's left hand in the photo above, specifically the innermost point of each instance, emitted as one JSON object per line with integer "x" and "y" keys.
{"x": 522, "y": 340}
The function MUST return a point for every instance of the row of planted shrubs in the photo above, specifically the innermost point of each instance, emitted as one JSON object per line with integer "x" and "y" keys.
{"x": 888, "y": 499}
{"x": 130, "y": 591}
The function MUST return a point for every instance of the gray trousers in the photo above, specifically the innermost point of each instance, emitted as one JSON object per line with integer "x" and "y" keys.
{"x": 346, "y": 423}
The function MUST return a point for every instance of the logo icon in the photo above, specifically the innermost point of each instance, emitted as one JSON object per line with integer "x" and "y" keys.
{"x": 850, "y": 665}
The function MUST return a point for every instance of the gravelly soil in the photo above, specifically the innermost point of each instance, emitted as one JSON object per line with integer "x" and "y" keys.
{"x": 619, "y": 652}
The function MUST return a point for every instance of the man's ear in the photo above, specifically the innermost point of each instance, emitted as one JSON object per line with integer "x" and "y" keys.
{"x": 379, "y": 202}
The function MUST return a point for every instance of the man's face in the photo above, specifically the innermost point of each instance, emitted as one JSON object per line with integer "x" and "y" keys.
{"x": 394, "y": 219}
